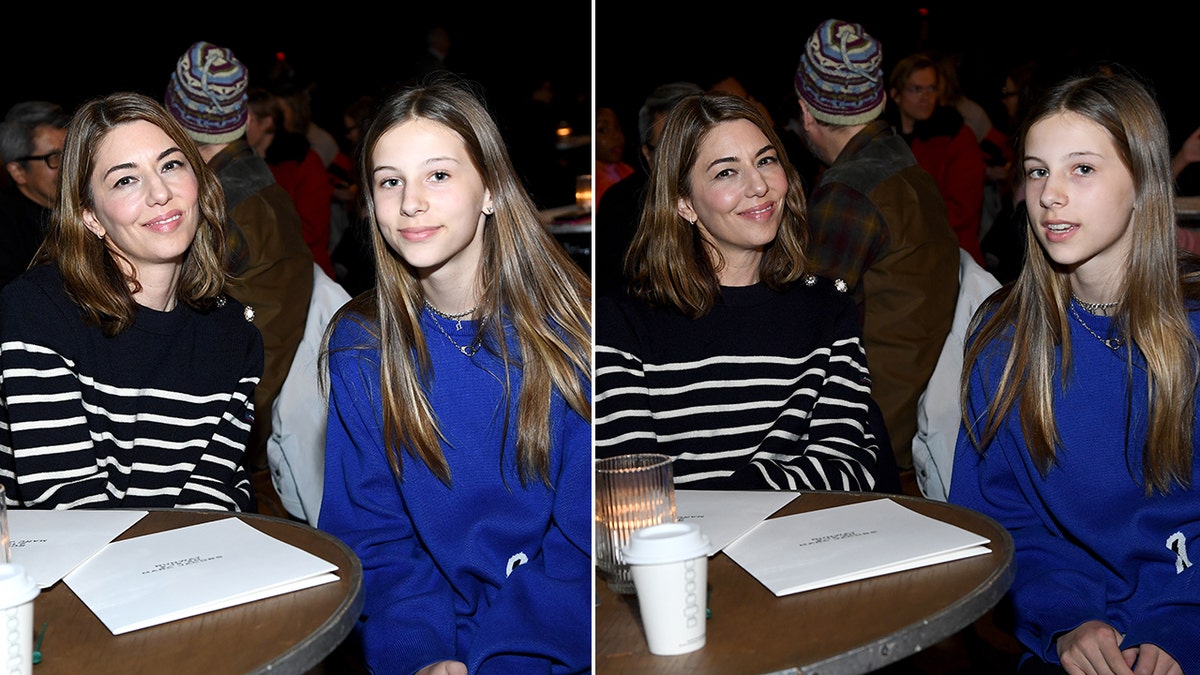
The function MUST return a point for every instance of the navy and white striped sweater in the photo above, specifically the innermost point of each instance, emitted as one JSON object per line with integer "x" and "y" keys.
{"x": 767, "y": 391}
{"x": 157, "y": 416}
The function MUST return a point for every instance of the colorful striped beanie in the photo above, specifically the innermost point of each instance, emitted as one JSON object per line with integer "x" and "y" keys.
{"x": 840, "y": 75}
{"x": 207, "y": 94}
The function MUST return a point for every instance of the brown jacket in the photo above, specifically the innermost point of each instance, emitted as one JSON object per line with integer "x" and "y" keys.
{"x": 273, "y": 266}
{"x": 878, "y": 222}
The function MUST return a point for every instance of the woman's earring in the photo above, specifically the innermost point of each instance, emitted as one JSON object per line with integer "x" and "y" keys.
{"x": 489, "y": 211}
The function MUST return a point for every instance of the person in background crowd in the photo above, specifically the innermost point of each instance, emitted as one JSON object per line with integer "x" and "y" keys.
{"x": 297, "y": 168}
{"x": 877, "y": 221}
{"x": 272, "y": 266}
{"x": 609, "y": 143}
{"x": 728, "y": 354}
{"x": 128, "y": 374}
{"x": 1080, "y": 392}
{"x": 31, "y": 143}
{"x": 460, "y": 407}
{"x": 1003, "y": 242}
{"x": 351, "y": 256}
{"x": 617, "y": 217}
{"x": 943, "y": 144}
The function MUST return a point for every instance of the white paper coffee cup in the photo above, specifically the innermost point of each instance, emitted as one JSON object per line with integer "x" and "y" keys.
{"x": 17, "y": 591}
{"x": 669, "y": 563}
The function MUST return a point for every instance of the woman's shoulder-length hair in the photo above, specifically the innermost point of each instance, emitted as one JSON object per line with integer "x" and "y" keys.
{"x": 92, "y": 275}
{"x": 669, "y": 263}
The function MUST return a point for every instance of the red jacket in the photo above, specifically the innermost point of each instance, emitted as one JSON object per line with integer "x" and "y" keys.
{"x": 951, "y": 154}
{"x": 308, "y": 183}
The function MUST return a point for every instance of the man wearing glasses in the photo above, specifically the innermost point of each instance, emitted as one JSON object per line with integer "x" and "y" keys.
{"x": 31, "y": 143}
{"x": 943, "y": 143}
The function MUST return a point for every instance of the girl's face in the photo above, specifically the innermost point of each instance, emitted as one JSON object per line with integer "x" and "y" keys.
{"x": 1079, "y": 194}
{"x": 146, "y": 196}
{"x": 737, "y": 191}
{"x": 429, "y": 199}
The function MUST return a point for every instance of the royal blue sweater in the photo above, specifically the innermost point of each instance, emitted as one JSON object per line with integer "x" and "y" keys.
{"x": 1089, "y": 544}
{"x": 488, "y": 572}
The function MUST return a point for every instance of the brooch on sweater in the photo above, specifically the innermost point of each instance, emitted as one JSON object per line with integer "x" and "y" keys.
{"x": 248, "y": 312}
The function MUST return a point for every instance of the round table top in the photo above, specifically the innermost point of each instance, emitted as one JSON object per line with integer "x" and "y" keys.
{"x": 851, "y": 628}
{"x": 290, "y": 633}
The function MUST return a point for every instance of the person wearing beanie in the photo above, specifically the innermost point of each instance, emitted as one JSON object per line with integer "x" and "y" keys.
{"x": 877, "y": 221}
{"x": 272, "y": 265}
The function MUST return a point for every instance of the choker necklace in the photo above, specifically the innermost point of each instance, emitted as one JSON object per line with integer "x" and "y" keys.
{"x": 456, "y": 318}
{"x": 467, "y": 350}
{"x": 1095, "y": 307}
{"x": 1112, "y": 343}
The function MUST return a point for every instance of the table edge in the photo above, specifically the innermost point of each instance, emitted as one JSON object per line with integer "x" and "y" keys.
{"x": 319, "y": 644}
{"x": 880, "y": 653}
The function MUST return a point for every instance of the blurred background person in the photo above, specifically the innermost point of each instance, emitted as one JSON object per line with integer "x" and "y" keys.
{"x": 943, "y": 144}
{"x": 609, "y": 145}
{"x": 616, "y": 219}
{"x": 271, "y": 265}
{"x": 31, "y": 143}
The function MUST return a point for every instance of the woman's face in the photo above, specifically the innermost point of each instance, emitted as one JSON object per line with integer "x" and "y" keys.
{"x": 738, "y": 188}
{"x": 429, "y": 199}
{"x": 146, "y": 196}
{"x": 1079, "y": 194}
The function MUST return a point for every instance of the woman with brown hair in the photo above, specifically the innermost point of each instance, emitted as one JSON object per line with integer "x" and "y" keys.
{"x": 127, "y": 374}
{"x": 729, "y": 354}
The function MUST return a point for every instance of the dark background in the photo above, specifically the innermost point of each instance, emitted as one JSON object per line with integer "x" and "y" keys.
{"x": 639, "y": 47}
{"x": 345, "y": 49}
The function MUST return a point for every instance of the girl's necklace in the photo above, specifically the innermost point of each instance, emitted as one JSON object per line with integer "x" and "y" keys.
{"x": 1098, "y": 308}
{"x": 456, "y": 318}
{"x": 1112, "y": 343}
{"x": 467, "y": 350}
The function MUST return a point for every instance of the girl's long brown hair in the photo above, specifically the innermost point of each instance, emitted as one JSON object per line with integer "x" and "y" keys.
{"x": 528, "y": 281}
{"x": 1031, "y": 315}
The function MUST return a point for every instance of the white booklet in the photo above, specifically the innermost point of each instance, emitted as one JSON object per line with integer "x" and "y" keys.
{"x": 832, "y": 546}
{"x": 48, "y": 543}
{"x": 725, "y": 515}
{"x": 145, "y": 581}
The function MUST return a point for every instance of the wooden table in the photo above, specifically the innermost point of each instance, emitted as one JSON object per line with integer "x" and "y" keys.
{"x": 288, "y": 633}
{"x": 847, "y": 629}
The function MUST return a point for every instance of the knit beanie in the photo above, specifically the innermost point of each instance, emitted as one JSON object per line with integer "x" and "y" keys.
{"x": 840, "y": 75}
{"x": 207, "y": 94}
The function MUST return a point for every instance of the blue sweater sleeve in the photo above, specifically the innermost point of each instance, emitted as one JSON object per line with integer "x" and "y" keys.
{"x": 1058, "y": 585}
{"x": 407, "y": 620}
{"x": 540, "y": 622}
{"x": 433, "y": 556}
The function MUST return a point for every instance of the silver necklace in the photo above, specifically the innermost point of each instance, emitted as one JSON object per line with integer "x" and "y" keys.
{"x": 467, "y": 350}
{"x": 456, "y": 318}
{"x": 1112, "y": 343}
{"x": 1095, "y": 307}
